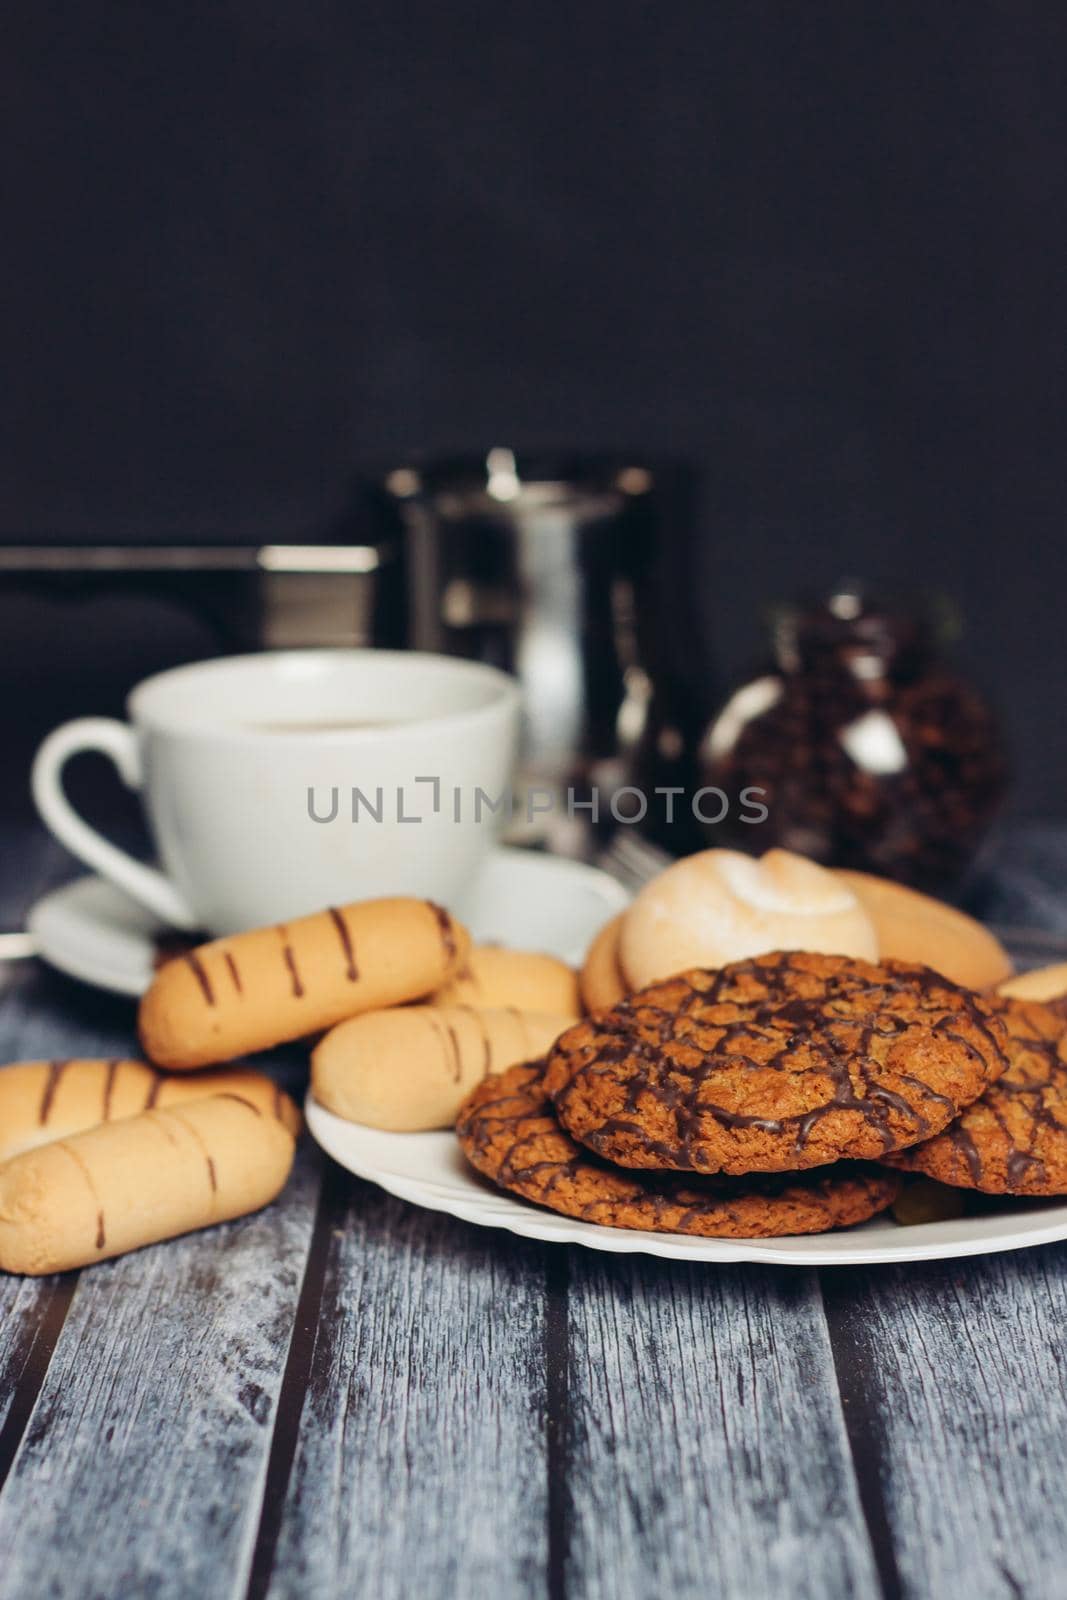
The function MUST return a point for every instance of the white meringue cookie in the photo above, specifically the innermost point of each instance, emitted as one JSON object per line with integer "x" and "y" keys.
{"x": 720, "y": 906}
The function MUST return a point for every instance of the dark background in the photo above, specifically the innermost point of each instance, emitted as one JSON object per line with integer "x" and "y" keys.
{"x": 819, "y": 249}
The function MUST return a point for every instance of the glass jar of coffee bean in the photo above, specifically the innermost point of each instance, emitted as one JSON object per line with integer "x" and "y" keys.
{"x": 871, "y": 752}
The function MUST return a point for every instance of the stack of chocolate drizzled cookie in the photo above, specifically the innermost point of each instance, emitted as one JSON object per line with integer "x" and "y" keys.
{"x": 779, "y": 1095}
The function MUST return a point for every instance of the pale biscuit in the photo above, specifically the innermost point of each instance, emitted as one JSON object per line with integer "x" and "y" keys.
{"x": 721, "y": 906}
{"x": 601, "y": 978}
{"x": 1047, "y": 984}
{"x": 125, "y": 1184}
{"x": 410, "y": 1069}
{"x": 262, "y": 988}
{"x": 911, "y": 926}
{"x": 45, "y": 1100}
{"x": 525, "y": 979}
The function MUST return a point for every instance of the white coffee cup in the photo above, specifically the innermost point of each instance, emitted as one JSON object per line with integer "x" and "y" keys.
{"x": 277, "y": 784}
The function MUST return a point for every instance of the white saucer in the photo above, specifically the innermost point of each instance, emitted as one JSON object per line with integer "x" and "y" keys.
{"x": 428, "y": 1169}
{"x": 92, "y": 931}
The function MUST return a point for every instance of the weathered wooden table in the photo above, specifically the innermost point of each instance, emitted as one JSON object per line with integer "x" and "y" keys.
{"x": 347, "y": 1396}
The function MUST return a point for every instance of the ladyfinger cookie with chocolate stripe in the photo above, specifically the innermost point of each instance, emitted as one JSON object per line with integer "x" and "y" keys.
{"x": 45, "y": 1100}
{"x": 411, "y": 1069}
{"x": 125, "y": 1184}
{"x": 258, "y": 989}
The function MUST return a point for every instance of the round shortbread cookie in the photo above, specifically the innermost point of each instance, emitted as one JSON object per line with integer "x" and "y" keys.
{"x": 911, "y": 926}
{"x": 721, "y": 906}
{"x": 601, "y": 980}
{"x": 1046, "y": 984}
{"x": 493, "y": 977}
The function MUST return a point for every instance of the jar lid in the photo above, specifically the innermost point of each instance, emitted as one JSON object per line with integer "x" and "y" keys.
{"x": 850, "y": 625}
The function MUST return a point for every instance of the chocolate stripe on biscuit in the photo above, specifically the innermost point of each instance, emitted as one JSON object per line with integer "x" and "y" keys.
{"x": 351, "y": 970}
{"x": 448, "y": 932}
{"x": 101, "y": 1236}
{"x": 109, "y": 1089}
{"x": 487, "y": 1045}
{"x": 457, "y": 1059}
{"x": 55, "y": 1072}
{"x": 196, "y": 966}
{"x": 231, "y": 1094}
{"x": 188, "y": 1126}
{"x": 446, "y": 1038}
{"x": 290, "y": 962}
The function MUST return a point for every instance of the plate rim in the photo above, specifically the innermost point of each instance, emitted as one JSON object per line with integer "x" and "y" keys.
{"x": 525, "y": 1220}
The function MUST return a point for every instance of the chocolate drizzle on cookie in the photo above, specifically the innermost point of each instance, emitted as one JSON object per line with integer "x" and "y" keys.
{"x": 961, "y": 1139}
{"x": 660, "y": 1081}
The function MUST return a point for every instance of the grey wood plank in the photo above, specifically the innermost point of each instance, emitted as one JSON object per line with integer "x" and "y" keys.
{"x": 708, "y": 1453}
{"x": 420, "y": 1467}
{"x": 44, "y": 1017}
{"x": 142, "y": 1467}
{"x": 958, "y": 1376}
{"x": 27, "y": 1307}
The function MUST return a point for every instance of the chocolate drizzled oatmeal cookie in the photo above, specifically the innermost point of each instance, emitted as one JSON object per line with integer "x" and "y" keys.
{"x": 509, "y": 1132}
{"x": 782, "y": 1062}
{"x": 1014, "y": 1139}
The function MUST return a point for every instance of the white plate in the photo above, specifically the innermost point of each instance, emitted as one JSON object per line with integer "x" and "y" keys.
{"x": 92, "y": 931}
{"x": 428, "y": 1169}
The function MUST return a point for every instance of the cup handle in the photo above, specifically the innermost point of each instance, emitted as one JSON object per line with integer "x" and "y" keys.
{"x": 117, "y": 740}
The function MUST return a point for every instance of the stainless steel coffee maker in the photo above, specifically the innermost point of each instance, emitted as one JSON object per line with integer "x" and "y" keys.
{"x": 532, "y": 563}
